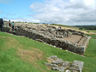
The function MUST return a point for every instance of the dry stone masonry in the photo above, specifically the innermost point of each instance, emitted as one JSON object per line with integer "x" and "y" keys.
{"x": 71, "y": 40}
{"x": 58, "y": 64}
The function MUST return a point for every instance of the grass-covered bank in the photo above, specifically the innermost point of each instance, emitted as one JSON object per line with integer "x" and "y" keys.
{"x": 21, "y": 54}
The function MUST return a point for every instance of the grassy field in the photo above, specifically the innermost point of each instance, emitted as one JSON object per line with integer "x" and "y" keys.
{"x": 92, "y": 31}
{"x": 21, "y": 54}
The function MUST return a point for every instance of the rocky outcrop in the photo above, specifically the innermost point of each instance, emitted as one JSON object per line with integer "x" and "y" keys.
{"x": 66, "y": 39}
{"x": 58, "y": 64}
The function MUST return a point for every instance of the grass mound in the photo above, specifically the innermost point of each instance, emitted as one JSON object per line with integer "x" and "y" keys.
{"x": 21, "y": 54}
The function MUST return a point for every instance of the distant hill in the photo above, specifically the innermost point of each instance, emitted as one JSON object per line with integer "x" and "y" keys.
{"x": 87, "y": 27}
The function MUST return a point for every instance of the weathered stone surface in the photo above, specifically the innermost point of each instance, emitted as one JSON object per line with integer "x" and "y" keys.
{"x": 58, "y": 64}
{"x": 78, "y": 65}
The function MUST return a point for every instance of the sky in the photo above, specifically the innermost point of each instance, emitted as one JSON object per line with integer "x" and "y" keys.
{"x": 67, "y": 12}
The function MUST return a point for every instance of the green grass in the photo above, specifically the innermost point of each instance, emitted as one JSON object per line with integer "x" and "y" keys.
{"x": 94, "y": 31}
{"x": 92, "y": 35}
{"x": 10, "y": 61}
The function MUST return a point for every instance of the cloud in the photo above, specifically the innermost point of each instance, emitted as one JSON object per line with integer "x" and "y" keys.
{"x": 26, "y": 20}
{"x": 65, "y": 12}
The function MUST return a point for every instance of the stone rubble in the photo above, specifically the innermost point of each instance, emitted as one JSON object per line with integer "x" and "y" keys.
{"x": 58, "y": 64}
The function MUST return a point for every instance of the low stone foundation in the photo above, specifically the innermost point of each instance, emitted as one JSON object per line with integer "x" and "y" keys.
{"x": 51, "y": 38}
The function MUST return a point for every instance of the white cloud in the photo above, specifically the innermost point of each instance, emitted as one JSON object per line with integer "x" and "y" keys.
{"x": 90, "y": 3}
{"x": 25, "y": 20}
{"x": 65, "y": 12}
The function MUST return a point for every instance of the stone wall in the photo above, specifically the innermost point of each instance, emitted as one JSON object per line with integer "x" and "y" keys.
{"x": 31, "y": 33}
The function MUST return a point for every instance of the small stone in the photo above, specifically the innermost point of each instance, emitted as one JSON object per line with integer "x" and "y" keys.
{"x": 55, "y": 68}
{"x": 53, "y": 57}
{"x": 61, "y": 69}
{"x": 67, "y": 71}
{"x": 58, "y": 61}
{"x": 66, "y": 64}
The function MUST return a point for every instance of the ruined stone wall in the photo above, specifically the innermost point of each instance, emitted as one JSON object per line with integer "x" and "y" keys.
{"x": 19, "y": 30}
{"x": 57, "y": 43}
